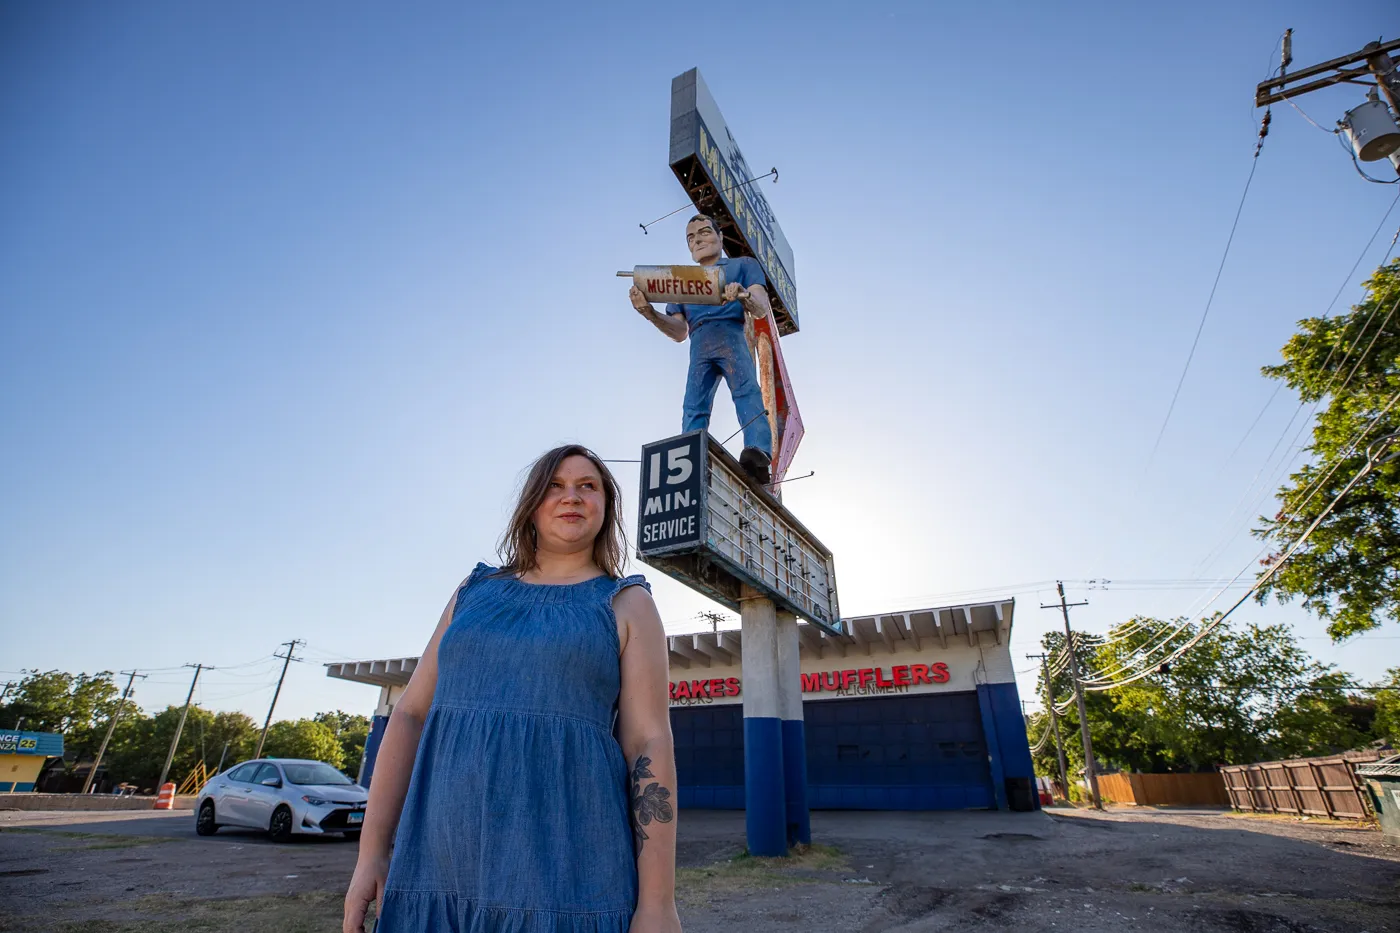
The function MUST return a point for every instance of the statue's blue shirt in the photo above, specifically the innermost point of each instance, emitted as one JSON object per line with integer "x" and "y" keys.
{"x": 743, "y": 270}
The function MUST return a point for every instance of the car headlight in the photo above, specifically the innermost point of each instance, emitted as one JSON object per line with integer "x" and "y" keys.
{"x": 315, "y": 801}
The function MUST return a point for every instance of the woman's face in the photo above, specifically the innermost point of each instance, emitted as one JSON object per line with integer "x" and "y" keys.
{"x": 571, "y": 514}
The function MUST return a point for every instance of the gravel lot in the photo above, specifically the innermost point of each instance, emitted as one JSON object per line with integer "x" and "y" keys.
{"x": 1124, "y": 870}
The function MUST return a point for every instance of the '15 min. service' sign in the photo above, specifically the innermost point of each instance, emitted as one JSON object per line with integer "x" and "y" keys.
{"x": 673, "y": 476}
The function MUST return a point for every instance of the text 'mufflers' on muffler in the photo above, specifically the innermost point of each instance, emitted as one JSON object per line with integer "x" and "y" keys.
{"x": 687, "y": 285}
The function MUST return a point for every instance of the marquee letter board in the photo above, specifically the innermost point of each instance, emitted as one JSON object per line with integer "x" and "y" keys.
{"x": 703, "y": 521}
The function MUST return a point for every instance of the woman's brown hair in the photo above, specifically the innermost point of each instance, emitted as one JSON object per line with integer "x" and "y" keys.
{"x": 517, "y": 545}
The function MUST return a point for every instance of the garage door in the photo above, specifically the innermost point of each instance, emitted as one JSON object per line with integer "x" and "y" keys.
{"x": 709, "y": 756}
{"x": 922, "y": 752}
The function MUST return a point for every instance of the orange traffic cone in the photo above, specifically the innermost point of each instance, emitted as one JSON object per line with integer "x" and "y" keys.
{"x": 166, "y": 799}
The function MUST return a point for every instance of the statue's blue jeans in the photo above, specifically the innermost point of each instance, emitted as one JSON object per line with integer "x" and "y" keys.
{"x": 718, "y": 349}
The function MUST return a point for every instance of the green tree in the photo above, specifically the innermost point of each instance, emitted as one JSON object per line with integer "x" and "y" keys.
{"x": 351, "y": 731}
{"x": 304, "y": 738}
{"x": 1387, "y": 698}
{"x": 141, "y": 742}
{"x": 241, "y": 734}
{"x": 78, "y": 706}
{"x": 135, "y": 753}
{"x": 1236, "y": 696}
{"x": 1348, "y": 571}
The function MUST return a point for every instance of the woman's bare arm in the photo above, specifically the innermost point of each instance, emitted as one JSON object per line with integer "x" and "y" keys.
{"x": 644, "y": 729}
{"x": 393, "y": 766}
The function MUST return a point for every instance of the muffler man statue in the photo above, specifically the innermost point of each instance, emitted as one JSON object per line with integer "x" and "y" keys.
{"x": 718, "y": 345}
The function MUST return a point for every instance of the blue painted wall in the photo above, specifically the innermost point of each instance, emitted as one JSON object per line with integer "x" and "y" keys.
{"x": 765, "y": 812}
{"x": 922, "y": 752}
{"x": 1005, "y": 703}
{"x": 987, "y": 714}
{"x": 799, "y": 819}
{"x": 376, "y": 735}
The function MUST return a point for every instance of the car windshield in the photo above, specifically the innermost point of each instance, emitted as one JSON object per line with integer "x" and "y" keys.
{"x": 316, "y": 773}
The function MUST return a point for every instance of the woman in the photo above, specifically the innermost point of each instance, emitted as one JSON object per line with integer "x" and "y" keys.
{"x": 538, "y": 707}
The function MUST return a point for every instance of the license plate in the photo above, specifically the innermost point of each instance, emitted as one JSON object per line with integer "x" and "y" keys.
{"x": 354, "y": 818}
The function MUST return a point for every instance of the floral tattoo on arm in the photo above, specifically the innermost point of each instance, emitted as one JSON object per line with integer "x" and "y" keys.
{"x": 653, "y": 803}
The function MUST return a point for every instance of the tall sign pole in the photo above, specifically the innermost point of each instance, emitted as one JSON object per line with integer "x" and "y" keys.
{"x": 714, "y": 522}
{"x": 1090, "y": 772}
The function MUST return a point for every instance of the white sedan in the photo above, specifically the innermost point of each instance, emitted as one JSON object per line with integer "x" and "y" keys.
{"x": 283, "y": 796}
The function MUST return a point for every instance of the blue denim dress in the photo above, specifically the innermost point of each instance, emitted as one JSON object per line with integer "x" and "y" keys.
{"x": 517, "y": 818}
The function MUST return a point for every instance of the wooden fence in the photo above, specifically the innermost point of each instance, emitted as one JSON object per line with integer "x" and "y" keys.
{"x": 1180, "y": 790}
{"x": 1302, "y": 786}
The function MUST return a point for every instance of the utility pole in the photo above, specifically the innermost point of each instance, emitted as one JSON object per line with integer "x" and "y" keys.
{"x": 1382, "y": 66}
{"x": 1054, "y": 720}
{"x": 111, "y": 726}
{"x": 170, "y": 755}
{"x": 1371, "y": 60}
{"x": 287, "y": 659}
{"x": 1089, "y": 771}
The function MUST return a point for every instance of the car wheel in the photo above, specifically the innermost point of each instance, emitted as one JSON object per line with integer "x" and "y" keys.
{"x": 281, "y": 825}
{"x": 204, "y": 824}
{"x": 351, "y": 835}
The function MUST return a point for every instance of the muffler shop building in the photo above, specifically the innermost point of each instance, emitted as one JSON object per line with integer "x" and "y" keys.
{"x": 912, "y": 710}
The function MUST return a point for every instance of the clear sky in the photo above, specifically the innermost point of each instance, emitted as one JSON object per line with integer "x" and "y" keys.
{"x": 291, "y": 294}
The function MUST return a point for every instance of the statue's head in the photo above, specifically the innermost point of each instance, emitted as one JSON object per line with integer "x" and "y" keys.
{"x": 702, "y": 236}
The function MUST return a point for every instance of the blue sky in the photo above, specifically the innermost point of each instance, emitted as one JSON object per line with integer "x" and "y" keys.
{"x": 290, "y": 296}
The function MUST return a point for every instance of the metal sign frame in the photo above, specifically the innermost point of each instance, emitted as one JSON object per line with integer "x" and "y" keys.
{"x": 703, "y": 521}
{"x": 710, "y": 166}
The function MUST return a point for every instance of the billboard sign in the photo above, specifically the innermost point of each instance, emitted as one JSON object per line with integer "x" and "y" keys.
{"x": 704, "y": 521}
{"x": 673, "y": 481}
{"x": 707, "y": 161}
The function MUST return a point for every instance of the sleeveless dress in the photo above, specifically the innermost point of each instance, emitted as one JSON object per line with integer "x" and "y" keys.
{"x": 517, "y": 818}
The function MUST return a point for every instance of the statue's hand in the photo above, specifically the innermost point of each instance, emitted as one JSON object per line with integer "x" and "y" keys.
{"x": 639, "y": 301}
{"x": 735, "y": 292}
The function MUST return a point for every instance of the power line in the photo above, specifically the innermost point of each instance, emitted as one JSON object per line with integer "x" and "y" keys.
{"x": 218, "y": 698}
{"x": 1364, "y": 353}
{"x": 1220, "y": 547}
{"x": 1289, "y": 101}
{"x": 1373, "y": 458}
{"x": 1254, "y": 164}
{"x": 1104, "y": 680}
{"x": 263, "y": 671}
{"x": 1316, "y": 485}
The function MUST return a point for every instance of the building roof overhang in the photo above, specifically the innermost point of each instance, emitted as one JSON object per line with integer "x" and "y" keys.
{"x": 918, "y": 629}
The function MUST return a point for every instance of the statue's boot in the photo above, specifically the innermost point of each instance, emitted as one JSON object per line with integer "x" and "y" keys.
{"x": 755, "y": 463}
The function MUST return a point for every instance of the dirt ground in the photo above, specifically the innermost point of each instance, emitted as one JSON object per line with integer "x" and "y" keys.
{"x": 1124, "y": 870}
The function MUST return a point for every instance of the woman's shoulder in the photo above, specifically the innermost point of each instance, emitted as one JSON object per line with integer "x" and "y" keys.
{"x": 481, "y": 571}
{"x": 635, "y": 584}
{"x": 631, "y": 597}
